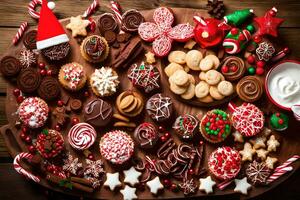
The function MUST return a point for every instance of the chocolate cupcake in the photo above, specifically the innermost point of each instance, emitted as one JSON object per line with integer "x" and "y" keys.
{"x": 131, "y": 20}
{"x": 250, "y": 89}
{"x": 10, "y": 66}
{"x": 29, "y": 80}
{"x": 185, "y": 126}
{"x": 97, "y": 112}
{"x": 146, "y": 135}
{"x": 49, "y": 89}
{"x": 107, "y": 22}
{"x": 233, "y": 68}
{"x": 29, "y": 40}
{"x": 94, "y": 49}
{"x": 215, "y": 126}
{"x": 159, "y": 107}
{"x": 57, "y": 52}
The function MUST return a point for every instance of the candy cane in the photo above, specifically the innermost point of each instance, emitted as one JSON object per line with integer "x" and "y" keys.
{"x": 21, "y": 170}
{"x": 278, "y": 174}
{"x": 116, "y": 8}
{"x": 224, "y": 184}
{"x": 281, "y": 54}
{"x": 287, "y": 162}
{"x": 91, "y": 9}
{"x": 32, "y": 5}
{"x": 20, "y": 32}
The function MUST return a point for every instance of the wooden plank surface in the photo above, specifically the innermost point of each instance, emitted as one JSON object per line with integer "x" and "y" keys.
{"x": 13, "y": 13}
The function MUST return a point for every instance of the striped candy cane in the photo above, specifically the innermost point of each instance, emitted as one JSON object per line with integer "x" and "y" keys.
{"x": 224, "y": 184}
{"x": 116, "y": 8}
{"x": 278, "y": 174}
{"x": 20, "y": 32}
{"x": 31, "y": 8}
{"x": 288, "y": 162}
{"x": 91, "y": 9}
{"x": 21, "y": 170}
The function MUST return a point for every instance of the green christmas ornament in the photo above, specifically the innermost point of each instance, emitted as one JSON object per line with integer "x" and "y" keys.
{"x": 238, "y": 17}
{"x": 251, "y": 70}
{"x": 279, "y": 121}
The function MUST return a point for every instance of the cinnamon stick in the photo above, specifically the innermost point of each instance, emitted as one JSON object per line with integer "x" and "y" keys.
{"x": 81, "y": 181}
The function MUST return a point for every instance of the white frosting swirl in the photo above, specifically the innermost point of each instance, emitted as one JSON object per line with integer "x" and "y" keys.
{"x": 81, "y": 136}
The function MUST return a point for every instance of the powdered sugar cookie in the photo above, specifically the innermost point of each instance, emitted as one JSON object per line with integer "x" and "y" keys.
{"x": 177, "y": 57}
{"x": 206, "y": 64}
{"x": 177, "y": 89}
{"x": 272, "y": 143}
{"x": 191, "y": 79}
{"x": 248, "y": 152}
{"x": 225, "y": 88}
{"x": 189, "y": 93}
{"x": 214, "y": 59}
{"x": 201, "y": 89}
{"x": 180, "y": 78}
{"x": 213, "y": 91}
{"x": 242, "y": 186}
{"x": 212, "y": 77}
{"x": 258, "y": 142}
{"x": 193, "y": 59}
{"x": 270, "y": 161}
{"x": 172, "y": 68}
{"x": 207, "y": 99}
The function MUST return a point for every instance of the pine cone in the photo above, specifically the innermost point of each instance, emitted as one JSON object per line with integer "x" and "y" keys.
{"x": 216, "y": 8}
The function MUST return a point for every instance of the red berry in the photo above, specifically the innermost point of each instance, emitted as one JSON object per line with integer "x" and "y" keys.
{"x": 191, "y": 171}
{"x": 42, "y": 65}
{"x": 28, "y": 139}
{"x": 86, "y": 94}
{"x": 60, "y": 103}
{"x": 233, "y": 68}
{"x": 260, "y": 64}
{"x": 23, "y": 135}
{"x": 167, "y": 134}
{"x": 31, "y": 149}
{"x": 75, "y": 120}
{"x": 251, "y": 59}
{"x": 277, "y": 114}
{"x": 260, "y": 71}
{"x": 257, "y": 39}
{"x": 163, "y": 138}
{"x": 49, "y": 72}
{"x": 234, "y": 31}
{"x": 161, "y": 129}
{"x": 166, "y": 182}
{"x": 241, "y": 37}
{"x": 24, "y": 129}
{"x": 43, "y": 72}
{"x": 57, "y": 127}
{"x": 280, "y": 121}
{"x": 20, "y": 99}
{"x": 91, "y": 157}
{"x": 225, "y": 69}
{"x": 174, "y": 187}
{"x": 16, "y": 92}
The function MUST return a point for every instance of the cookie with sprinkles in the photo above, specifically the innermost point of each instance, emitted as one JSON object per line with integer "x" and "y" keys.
{"x": 215, "y": 126}
{"x": 185, "y": 126}
{"x": 144, "y": 76}
{"x": 159, "y": 107}
{"x": 72, "y": 76}
{"x": 33, "y": 112}
{"x": 224, "y": 163}
{"x": 116, "y": 146}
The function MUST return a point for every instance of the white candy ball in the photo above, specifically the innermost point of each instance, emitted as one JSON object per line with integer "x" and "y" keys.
{"x": 51, "y": 5}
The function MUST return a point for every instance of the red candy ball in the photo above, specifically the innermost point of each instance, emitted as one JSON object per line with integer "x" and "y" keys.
{"x": 75, "y": 120}
{"x": 43, "y": 72}
{"x": 260, "y": 71}
{"x": 20, "y": 99}
{"x": 257, "y": 39}
{"x": 260, "y": 64}
{"x": 166, "y": 182}
{"x": 163, "y": 138}
{"x": 91, "y": 157}
{"x": 28, "y": 139}
{"x": 161, "y": 129}
{"x": 167, "y": 134}
{"x": 42, "y": 65}
{"x": 280, "y": 121}
{"x": 233, "y": 68}
{"x": 57, "y": 127}
{"x": 31, "y": 149}
{"x": 225, "y": 69}
{"x": 60, "y": 103}
{"x": 251, "y": 59}
{"x": 49, "y": 72}
{"x": 234, "y": 31}
{"x": 16, "y": 92}
{"x": 23, "y": 135}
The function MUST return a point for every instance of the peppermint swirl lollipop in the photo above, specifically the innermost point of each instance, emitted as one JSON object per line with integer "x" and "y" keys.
{"x": 81, "y": 136}
{"x": 249, "y": 88}
{"x": 233, "y": 68}
{"x": 131, "y": 20}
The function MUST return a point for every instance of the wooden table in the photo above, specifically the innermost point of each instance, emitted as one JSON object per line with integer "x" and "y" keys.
{"x": 13, "y": 13}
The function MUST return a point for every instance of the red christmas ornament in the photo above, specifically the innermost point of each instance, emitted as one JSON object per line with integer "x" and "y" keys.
{"x": 268, "y": 24}
{"x": 257, "y": 39}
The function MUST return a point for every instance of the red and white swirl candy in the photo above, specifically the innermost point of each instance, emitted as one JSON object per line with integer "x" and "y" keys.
{"x": 34, "y": 3}
{"x": 81, "y": 136}
{"x": 23, "y": 171}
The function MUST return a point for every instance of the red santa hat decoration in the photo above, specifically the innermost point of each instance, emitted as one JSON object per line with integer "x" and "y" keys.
{"x": 50, "y": 31}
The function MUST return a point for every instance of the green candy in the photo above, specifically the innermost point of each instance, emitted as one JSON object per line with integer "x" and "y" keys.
{"x": 251, "y": 70}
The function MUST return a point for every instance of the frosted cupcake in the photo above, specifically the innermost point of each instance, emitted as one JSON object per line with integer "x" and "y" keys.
{"x": 94, "y": 49}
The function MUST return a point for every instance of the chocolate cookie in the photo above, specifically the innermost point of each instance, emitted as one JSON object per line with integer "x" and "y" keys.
{"x": 146, "y": 135}
{"x": 10, "y": 66}
{"x": 27, "y": 58}
{"x": 159, "y": 107}
{"x": 107, "y": 22}
{"x": 131, "y": 20}
{"x": 49, "y": 88}
{"x": 29, "y": 40}
{"x": 29, "y": 80}
{"x": 258, "y": 173}
{"x": 233, "y": 68}
{"x": 185, "y": 126}
{"x": 97, "y": 112}
{"x": 250, "y": 88}
{"x": 57, "y": 52}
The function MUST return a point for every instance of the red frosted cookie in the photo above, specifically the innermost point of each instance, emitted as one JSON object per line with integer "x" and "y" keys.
{"x": 247, "y": 118}
{"x": 162, "y": 34}
{"x": 224, "y": 163}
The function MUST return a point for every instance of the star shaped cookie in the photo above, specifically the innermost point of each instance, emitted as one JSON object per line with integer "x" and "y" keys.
{"x": 248, "y": 152}
{"x": 154, "y": 185}
{"x": 132, "y": 176}
{"x": 242, "y": 186}
{"x": 270, "y": 162}
{"x": 238, "y": 137}
{"x": 128, "y": 193}
{"x": 78, "y": 26}
{"x": 112, "y": 180}
{"x": 258, "y": 142}
{"x": 206, "y": 184}
{"x": 262, "y": 153}
{"x": 272, "y": 143}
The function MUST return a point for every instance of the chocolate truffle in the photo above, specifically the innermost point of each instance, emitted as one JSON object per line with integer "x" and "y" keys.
{"x": 185, "y": 126}
{"x": 159, "y": 107}
{"x": 57, "y": 52}
{"x": 146, "y": 135}
{"x": 49, "y": 88}
{"x": 131, "y": 20}
{"x": 10, "y": 66}
{"x": 97, "y": 112}
{"x": 107, "y": 22}
{"x": 29, "y": 40}
{"x": 29, "y": 80}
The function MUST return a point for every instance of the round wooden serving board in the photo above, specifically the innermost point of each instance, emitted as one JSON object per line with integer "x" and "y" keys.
{"x": 289, "y": 139}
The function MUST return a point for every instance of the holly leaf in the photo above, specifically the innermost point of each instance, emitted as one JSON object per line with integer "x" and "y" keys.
{"x": 45, "y": 131}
